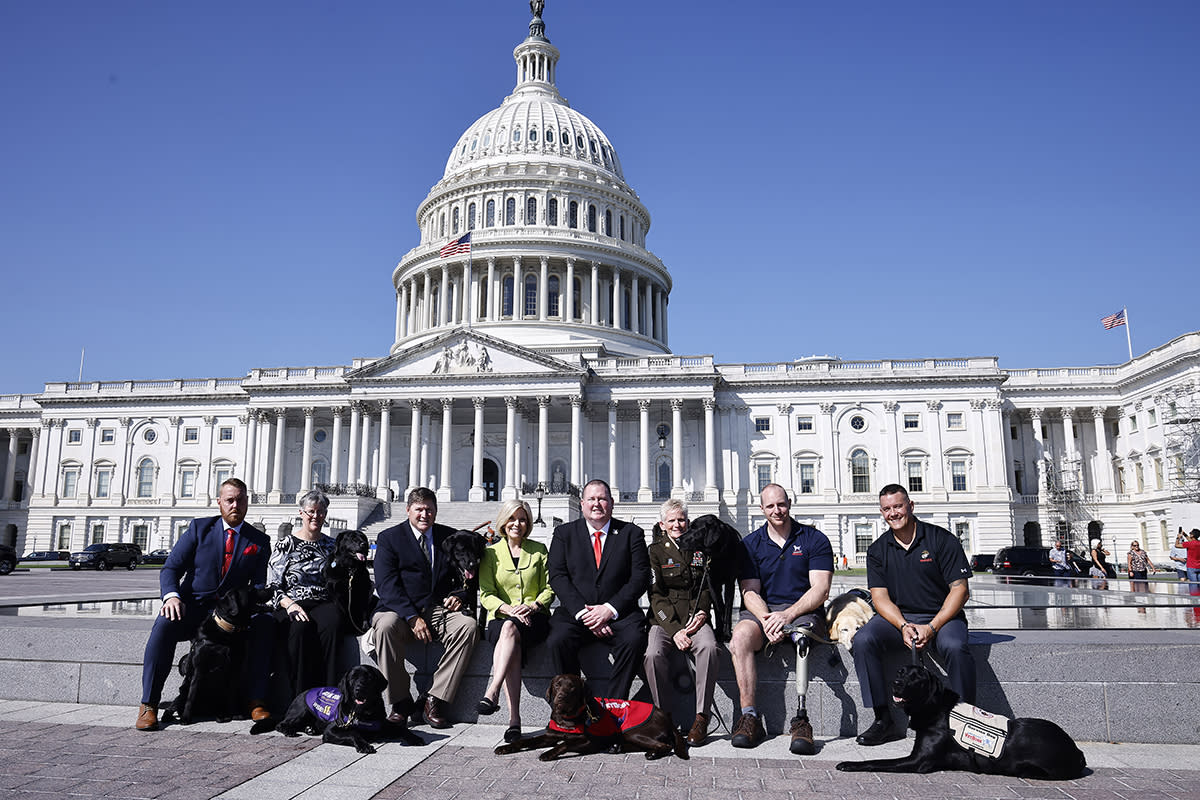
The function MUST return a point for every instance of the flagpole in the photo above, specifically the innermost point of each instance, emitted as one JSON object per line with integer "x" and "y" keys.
{"x": 1128, "y": 337}
{"x": 467, "y": 294}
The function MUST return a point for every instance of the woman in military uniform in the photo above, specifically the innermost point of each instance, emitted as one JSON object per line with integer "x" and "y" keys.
{"x": 680, "y": 610}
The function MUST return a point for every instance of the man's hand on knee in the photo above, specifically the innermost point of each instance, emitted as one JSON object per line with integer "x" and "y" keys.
{"x": 421, "y": 631}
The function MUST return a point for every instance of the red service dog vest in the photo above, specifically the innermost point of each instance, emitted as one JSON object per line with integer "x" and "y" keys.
{"x": 615, "y": 716}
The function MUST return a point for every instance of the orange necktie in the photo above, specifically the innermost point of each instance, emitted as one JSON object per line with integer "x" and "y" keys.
{"x": 596, "y": 547}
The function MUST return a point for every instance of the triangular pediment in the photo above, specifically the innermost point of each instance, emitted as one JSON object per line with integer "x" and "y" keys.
{"x": 462, "y": 353}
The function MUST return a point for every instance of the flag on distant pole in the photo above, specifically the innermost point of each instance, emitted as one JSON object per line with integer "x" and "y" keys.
{"x": 457, "y": 247}
{"x": 1119, "y": 318}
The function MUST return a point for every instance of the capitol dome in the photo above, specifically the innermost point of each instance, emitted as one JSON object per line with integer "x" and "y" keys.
{"x": 557, "y": 258}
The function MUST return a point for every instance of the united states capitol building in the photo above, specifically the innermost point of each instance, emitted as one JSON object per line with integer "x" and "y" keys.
{"x": 542, "y": 358}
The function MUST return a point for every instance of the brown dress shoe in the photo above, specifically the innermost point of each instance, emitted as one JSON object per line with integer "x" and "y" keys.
{"x": 699, "y": 731}
{"x": 802, "y": 737}
{"x": 259, "y": 711}
{"x": 435, "y": 713}
{"x": 147, "y": 719}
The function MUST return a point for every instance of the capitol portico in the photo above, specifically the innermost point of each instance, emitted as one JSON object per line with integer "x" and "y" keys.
{"x": 541, "y": 359}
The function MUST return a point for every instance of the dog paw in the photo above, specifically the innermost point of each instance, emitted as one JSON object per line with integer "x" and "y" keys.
{"x": 291, "y": 734}
{"x": 365, "y": 748}
{"x": 848, "y": 766}
{"x": 505, "y": 749}
{"x": 547, "y": 756}
{"x": 224, "y": 719}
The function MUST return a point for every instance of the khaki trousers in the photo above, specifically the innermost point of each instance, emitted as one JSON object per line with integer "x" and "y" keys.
{"x": 454, "y": 629}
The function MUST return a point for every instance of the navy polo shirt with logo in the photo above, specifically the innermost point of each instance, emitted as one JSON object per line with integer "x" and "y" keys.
{"x": 917, "y": 579}
{"x": 783, "y": 571}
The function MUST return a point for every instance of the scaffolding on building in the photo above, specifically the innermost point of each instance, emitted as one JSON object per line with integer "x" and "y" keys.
{"x": 1069, "y": 508}
{"x": 1183, "y": 445}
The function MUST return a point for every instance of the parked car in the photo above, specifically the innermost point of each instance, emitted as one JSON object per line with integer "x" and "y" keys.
{"x": 47, "y": 555}
{"x": 106, "y": 555}
{"x": 156, "y": 557}
{"x": 1022, "y": 560}
{"x": 982, "y": 562}
{"x": 8, "y": 559}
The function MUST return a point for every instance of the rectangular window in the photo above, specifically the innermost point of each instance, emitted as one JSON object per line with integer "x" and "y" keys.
{"x": 1158, "y": 473}
{"x": 912, "y": 422}
{"x": 70, "y": 483}
{"x": 74, "y": 436}
{"x": 804, "y": 424}
{"x": 191, "y": 435}
{"x": 225, "y": 433}
{"x": 107, "y": 436}
{"x": 808, "y": 479}
{"x": 187, "y": 483}
{"x": 97, "y": 533}
{"x": 64, "y": 536}
{"x": 958, "y": 476}
{"x": 1019, "y": 477}
{"x": 141, "y": 536}
{"x": 963, "y": 531}
{"x": 103, "y": 482}
{"x": 762, "y": 424}
{"x": 954, "y": 420}
{"x": 530, "y": 298}
{"x": 221, "y": 475}
{"x": 1151, "y": 417}
{"x": 1012, "y": 432}
{"x": 1162, "y": 535}
{"x": 1116, "y": 429}
{"x": 763, "y": 471}
{"x": 916, "y": 477}
{"x": 1133, "y": 423}
{"x": 864, "y": 535}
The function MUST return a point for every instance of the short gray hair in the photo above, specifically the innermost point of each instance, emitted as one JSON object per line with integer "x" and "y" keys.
{"x": 314, "y": 497}
{"x": 672, "y": 505}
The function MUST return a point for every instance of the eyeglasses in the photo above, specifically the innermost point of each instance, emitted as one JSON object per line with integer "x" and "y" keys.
{"x": 313, "y": 513}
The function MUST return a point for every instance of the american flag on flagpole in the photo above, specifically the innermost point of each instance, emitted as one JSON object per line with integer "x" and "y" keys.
{"x": 1113, "y": 320}
{"x": 457, "y": 246}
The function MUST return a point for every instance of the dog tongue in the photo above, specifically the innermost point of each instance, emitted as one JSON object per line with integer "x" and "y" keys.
{"x": 360, "y": 556}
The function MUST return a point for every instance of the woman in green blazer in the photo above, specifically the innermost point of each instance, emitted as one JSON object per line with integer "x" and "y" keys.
{"x": 514, "y": 587}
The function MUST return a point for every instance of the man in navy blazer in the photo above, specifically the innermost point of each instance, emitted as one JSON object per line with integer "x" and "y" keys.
{"x": 418, "y": 600}
{"x": 194, "y": 574}
{"x": 599, "y": 581}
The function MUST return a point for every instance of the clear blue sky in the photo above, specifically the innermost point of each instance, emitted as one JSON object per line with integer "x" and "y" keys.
{"x": 192, "y": 189}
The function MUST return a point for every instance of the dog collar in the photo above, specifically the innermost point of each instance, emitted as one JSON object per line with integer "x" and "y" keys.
{"x": 224, "y": 624}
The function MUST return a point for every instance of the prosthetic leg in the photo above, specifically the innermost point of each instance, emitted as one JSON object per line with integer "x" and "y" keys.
{"x": 801, "y": 729}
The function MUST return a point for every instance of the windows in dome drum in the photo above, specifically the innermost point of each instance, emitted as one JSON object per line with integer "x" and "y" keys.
{"x": 510, "y": 211}
{"x": 552, "y": 211}
{"x": 531, "y": 211}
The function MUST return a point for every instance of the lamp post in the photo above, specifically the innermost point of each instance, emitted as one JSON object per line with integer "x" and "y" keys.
{"x": 539, "y": 493}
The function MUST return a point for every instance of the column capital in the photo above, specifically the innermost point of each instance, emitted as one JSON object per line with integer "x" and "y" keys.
{"x": 933, "y": 405}
{"x": 543, "y": 401}
{"x": 91, "y": 422}
{"x": 576, "y": 401}
{"x": 243, "y": 419}
{"x": 12, "y": 432}
{"x": 447, "y": 403}
{"x": 176, "y": 421}
{"x": 309, "y": 412}
{"x": 478, "y": 402}
{"x": 643, "y": 405}
{"x": 338, "y": 411}
{"x": 826, "y": 408}
{"x": 1035, "y": 414}
{"x": 977, "y": 404}
{"x": 1067, "y": 413}
{"x": 35, "y": 432}
{"x": 676, "y": 404}
{"x": 124, "y": 422}
{"x": 280, "y": 412}
{"x": 612, "y": 406}
{"x": 210, "y": 419}
{"x": 784, "y": 409}
{"x": 511, "y": 402}
{"x": 1099, "y": 412}
{"x": 996, "y": 405}
{"x": 709, "y": 403}
{"x": 385, "y": 404}
{"x": 890, "y": 406}
{"x": 417, "y": 405}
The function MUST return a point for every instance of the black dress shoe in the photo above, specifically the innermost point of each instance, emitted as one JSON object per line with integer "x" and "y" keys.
{"x": 880, "y": 732}
{"x": 435, "y": 713}
{"x": 487, "y": 706}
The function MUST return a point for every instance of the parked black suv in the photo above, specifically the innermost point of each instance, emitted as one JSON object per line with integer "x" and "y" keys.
{"x": 1023, "y": 561}
{"x": 8, "y": 559}
{"x": 106, "y": 555}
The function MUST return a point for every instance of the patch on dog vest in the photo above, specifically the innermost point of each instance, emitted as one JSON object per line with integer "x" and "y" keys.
{"x": 615, "y": 716}
{"x": 326, "y": 702}
{"x": 977, "y": 730}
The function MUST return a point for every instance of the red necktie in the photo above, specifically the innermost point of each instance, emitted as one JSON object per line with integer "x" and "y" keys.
{"x": 228, "y": 552}
{"x": 596, "y": 547}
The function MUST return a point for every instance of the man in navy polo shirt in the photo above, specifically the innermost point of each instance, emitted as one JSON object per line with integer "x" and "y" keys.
{"x": 784, "y": 572}
{"x": 917, "y": 574}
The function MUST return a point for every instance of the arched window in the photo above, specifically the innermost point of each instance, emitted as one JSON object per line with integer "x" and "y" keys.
{"x": 471, "y": 217}
{"x": 552, "y": 297}
{"x": 573, "y": 215}
{"x": 454, "y": 222}
{"x": 145, "y": 478}
{"x": 591, "y": 218}
{"x": 441, "y": 224}
{"x": 576, "y": 305}
{"x": 626, "y": 322}
{"x": 510, "y": 211}
{"x": 530, "y": 295}
{"x": 433, "y": 307}
{"x": 608, "y": 230}
{"x": 491, "y": 214}
{"x": 860, "y": 472}
{"x": 531, "y": 211}
{"x": 507, "y": 302}
{"x": 552, "y": 211}
{"x": 484, "y": 309}
{"x": 622, "y": 227}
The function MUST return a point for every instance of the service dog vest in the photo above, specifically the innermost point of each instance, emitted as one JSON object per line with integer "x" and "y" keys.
{"x": 326, "y": 702}
{"x": 615, "y": 717}
{"x": 978, "y": 730}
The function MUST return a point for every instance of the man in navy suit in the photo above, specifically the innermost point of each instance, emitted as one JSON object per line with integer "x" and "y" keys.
{"x": 599, "y": 570}
{"x": 418, "y": 600}
{"x": 213, "y": 556}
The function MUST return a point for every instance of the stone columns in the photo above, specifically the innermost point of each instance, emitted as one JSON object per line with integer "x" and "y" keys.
{"x": 414, "y": 447}
{"x": 1006, "y": 420}
{"x": 399, "y": 314}
{"x": 1068, "y": 420}
{"x": 569, "y": 305}
{"x": 383, "y": 491}
{"x": 543, "y": 294}
{"x": 476, "y": 494}
{"x": 10, "y": 467}
{"x": 444, "y": 296}
{"x": 937, "y": 478}
{"x": 468, "y": 295}
{"x": 830, "y": 455}
{"x": 676, "y": 448}
{"x": 618, "y": 317}
{"x": 426, "y": 432}
{"x": 594, "y": 312}
{"x": 518, "y": 290}
{"x": 979, "y": 444}
{"x": 612, "y": 448}
{"x": 352, "y": 457}
{"x": 543, "y": 461}
{"x": 427, "y": 303}
{"x": 306, "y": 451}
{"x": 635, "y": 315}
{"x": 783, "y": 441}
{"x": 251, "y": 442}
{"x": 277, "y": 471}
{"x": 710, "y": 452}
{"x": 492, "y": 293}
{"x": 364, "y": 449}
{"x": 1039, "y": 449}
{"x": 31, "y": 472}
{"x": 1103, "y": 471}
{"x": 576, "y": 440}
{"x": 335, "y": 447}
{"x": 510, "y": 434}
{"x": 444, "y": 492}
{"x": 644, "y": 493}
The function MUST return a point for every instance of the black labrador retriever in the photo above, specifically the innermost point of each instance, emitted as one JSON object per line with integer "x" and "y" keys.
{"x": 464, "y": 549}
{"x": 348, "y": 580}
{"x": 953, "y": 736}
{"x": 344, "y": 714}
{"x": 718, "y": 541}
{"x": 211, "y": 668}
{"x": 583, "y": 724}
